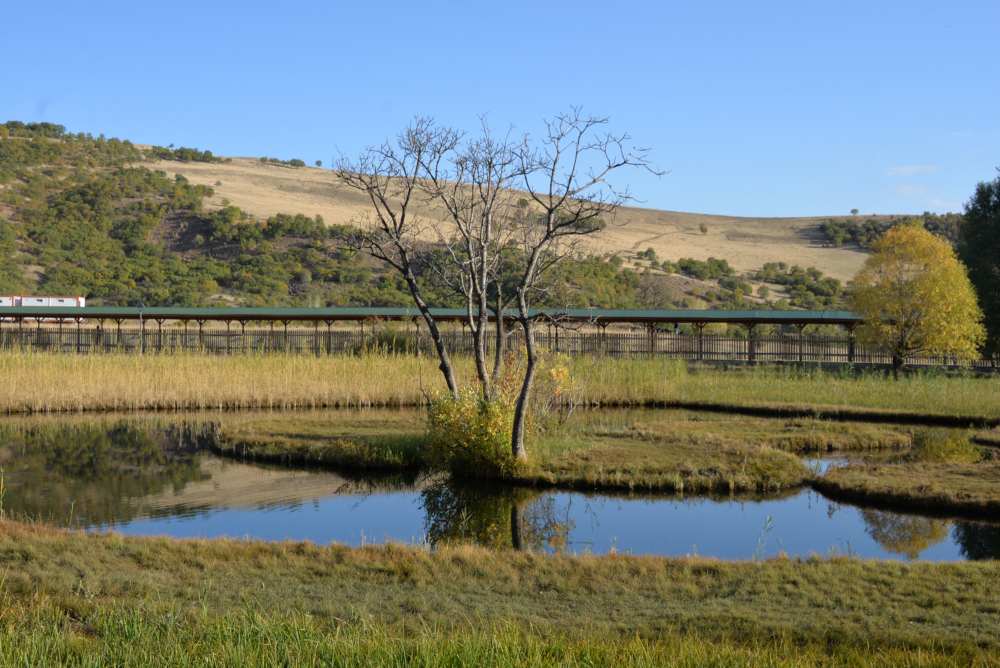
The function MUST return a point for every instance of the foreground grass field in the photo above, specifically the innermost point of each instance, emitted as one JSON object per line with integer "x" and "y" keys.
{"x": 69, "y": 596}
{"x": 42, "y": 635}
{"x": 45, "y": 382}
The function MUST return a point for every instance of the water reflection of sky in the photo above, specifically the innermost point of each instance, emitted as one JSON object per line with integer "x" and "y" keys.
{"x": 802, "y": 523}
{"x": 350, "y": 519}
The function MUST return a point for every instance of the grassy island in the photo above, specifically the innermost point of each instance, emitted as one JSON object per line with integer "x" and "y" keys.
{"x": 953, "y": 487}
{"x": 652, "y": 450}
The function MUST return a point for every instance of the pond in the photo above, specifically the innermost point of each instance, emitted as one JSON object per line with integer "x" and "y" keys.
{"x": 160, "y": 476}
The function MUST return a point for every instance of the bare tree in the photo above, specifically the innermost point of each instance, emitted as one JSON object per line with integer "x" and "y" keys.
{"x": 475, "y": 187}
{"x": 653, "y": 290}
{"x": 513, "y": 212}
{"x": 390, "y": 177}
{"x": 567, "y": 179}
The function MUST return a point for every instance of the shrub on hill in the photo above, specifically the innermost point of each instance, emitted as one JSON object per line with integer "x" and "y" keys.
{"x": 20, "y": 153}
{"x": 183, "y": 155}
{"x": 704, "y": 271}
{"x": 733, "y": 284}
{"x": 19, "y": 129}
{"x": 808, "y": 287}
{"x": 294, "y": 162}
{"x": 838, "y": 232}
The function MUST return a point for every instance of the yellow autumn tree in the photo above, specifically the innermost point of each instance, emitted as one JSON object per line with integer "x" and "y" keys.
{"x": 916, "y": 299}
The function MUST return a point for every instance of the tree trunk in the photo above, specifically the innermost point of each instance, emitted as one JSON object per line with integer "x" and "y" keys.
{"x": 521, "y": 408}
{"x": 498, "y": 355}
{"x": 446, "y": 366}
{"x": 480, "y": 334}
{"x": 897, "y": 365}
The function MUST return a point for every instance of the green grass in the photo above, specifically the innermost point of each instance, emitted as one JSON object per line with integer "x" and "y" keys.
{"x": 91, "y": 594}
{"x": 41, "y": 635}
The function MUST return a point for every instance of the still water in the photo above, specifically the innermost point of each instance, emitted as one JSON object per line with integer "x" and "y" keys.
{"x": 164, "y": 479}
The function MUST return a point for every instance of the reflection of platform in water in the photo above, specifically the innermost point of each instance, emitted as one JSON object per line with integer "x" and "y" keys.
{"x": 235, "y": 485}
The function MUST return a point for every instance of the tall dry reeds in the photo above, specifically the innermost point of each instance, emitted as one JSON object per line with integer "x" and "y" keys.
{"x": 31, "y": 382}
{"x": 45, "y": 382}
{"x": 662, "y": 380}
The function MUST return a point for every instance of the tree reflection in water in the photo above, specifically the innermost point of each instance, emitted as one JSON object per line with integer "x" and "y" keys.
{"x": 495, "y": 516}
{"x": 90, "y": 474}
{"x": 904, "y": 534}
{"x": 978, "y": 541}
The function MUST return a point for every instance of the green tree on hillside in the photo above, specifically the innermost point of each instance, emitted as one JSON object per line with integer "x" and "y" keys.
{"x": 979, "y": 249}
{"x": 916, "y": 298}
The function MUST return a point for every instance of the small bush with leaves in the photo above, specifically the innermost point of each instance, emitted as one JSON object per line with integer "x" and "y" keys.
{"x": 470, "y": 436}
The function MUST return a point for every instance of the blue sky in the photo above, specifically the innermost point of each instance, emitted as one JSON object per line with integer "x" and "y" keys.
{"x": 756, "y": 109}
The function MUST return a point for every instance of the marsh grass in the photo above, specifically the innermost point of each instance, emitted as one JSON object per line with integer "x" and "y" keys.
{"x": 42, "y": 382}
{"x": 397, "y": 452}
{"x": 380, "y": 439}
{"x": 943, "y": 471}
{"x": 694, "y": 452}
{"x": 672, "y": 450}
{"x": 967, "y": 488}
{"x": 943, "y": 446}
{"x": 74, "y": 595}
{"x": 800, "y": 435}
{"x": 632, "y": 449}
{"x": 116, "y": 382}
{"x": 660, "y": 380}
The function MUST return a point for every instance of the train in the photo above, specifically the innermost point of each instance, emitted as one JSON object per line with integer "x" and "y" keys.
{"x": 43, "y": 301}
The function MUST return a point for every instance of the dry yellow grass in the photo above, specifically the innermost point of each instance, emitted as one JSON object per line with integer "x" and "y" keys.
{"x": 117, "y": 382}
{"x": 747, "y": 243}
{"x": 43, "y": 382}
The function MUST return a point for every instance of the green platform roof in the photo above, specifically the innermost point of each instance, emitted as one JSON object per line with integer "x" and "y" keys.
{"x": 330, "y": 315}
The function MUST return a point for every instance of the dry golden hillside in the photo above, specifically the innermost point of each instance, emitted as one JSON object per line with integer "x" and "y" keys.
{"x": 747, "y": 243}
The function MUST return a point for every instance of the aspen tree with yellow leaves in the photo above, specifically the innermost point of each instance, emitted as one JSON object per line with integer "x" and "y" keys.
{"x": 916, "y": 298}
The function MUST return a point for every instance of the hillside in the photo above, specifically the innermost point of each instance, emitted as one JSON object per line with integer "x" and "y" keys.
{"x": 264, "y": 189}
{"x": 121, "y": 223}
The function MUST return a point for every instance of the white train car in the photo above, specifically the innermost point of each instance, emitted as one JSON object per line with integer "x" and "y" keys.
{"x": 42, "y": 301}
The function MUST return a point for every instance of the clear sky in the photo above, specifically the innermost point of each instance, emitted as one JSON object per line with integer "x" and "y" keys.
{"x": 756, "y": 109}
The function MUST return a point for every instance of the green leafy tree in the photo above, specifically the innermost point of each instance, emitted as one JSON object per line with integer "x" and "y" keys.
{"x": 979, "y": 249}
